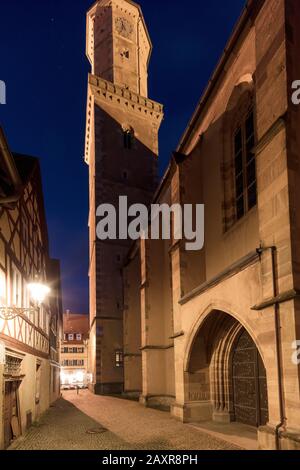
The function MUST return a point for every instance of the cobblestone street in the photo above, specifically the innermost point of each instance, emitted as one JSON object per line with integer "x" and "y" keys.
{"x": 89, "y": 422}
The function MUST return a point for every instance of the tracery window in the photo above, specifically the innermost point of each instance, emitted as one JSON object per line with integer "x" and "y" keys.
{"x": 245, "y": 166}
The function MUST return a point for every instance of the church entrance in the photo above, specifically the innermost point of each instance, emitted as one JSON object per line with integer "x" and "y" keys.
{"x": 250, "y": 400}
{"x": 225, "y": 378}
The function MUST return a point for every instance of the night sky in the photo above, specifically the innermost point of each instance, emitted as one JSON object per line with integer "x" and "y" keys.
{"x": 43, "y": 63}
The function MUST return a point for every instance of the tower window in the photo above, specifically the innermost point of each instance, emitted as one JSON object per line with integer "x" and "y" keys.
{"x": 245, "y": 167}
{"x": 128, "y": 137}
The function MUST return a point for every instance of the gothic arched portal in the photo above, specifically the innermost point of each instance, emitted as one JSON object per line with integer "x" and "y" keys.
{"x": 225, "y": 371}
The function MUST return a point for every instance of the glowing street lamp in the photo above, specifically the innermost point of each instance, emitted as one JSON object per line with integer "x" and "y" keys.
{"x": 38, "y": 293}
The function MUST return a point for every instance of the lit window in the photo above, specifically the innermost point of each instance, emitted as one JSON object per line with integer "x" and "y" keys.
{"x": 245, "y": 167}
{"x": 119, "y": 358}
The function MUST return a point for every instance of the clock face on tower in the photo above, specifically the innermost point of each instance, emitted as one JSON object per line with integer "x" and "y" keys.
{"x": 124, "y": 27}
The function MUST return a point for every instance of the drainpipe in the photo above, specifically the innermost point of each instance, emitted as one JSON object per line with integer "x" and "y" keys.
{"x": 273, "y": 250}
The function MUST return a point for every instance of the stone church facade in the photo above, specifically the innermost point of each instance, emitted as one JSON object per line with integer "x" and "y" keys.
{"x": 209, "y": 334}
{"x": 121, "y": 151}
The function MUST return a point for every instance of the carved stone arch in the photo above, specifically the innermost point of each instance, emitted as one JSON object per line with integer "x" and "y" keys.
{"x": 240, "y": 102}
{"x": 209, "y": 376}
{"x": 211, "y": 307}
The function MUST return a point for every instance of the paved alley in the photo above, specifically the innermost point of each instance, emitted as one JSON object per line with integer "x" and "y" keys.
{"x": 89, "y": 422}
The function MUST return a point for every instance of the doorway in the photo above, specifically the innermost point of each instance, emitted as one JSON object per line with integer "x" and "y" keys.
{"x": 250, "y": 399}
{"x": 12, "y": 427}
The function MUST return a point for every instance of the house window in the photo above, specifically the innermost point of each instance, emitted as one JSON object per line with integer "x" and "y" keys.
{"x": 245, "y": 167}
{"x": 71, "y": 337}
{"x": 128, "y": 136}
{"x": 78, "y": 337}
{"x": 119, "y": 358}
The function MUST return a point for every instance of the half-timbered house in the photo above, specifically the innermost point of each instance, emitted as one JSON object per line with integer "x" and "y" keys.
{"x": 29, "y": 332}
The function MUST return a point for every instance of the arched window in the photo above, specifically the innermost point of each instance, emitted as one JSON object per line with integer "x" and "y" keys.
{"x": 239, "y": 162}
{"x": 128, "y": 139}
{"x": 128, "y": 136}
{"x": 245, "y": 165}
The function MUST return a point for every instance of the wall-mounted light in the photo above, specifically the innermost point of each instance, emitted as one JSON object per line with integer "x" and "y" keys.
{"x": 38, "y": 293}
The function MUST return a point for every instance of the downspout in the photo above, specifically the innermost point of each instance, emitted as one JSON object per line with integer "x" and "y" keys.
{"x": 273, "y": 250}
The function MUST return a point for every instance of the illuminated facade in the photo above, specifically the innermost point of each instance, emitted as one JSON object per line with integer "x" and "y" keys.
{"x": 217, "y": 330}
{"x": 29, "y": 332}
{"x": 209, "y": 335}
{"x": 74, "y": 352}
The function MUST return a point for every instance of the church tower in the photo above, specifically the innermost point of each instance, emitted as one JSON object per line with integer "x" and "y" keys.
{"x": 121, "y": 150}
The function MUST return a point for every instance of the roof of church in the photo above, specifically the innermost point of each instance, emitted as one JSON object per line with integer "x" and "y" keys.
{"x": 250, "y": 10}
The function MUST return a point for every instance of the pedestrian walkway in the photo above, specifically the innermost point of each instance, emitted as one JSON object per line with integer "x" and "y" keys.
{"x": 90, "y": 422}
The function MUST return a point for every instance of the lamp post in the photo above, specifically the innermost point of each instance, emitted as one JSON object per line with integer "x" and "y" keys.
{"x": 38, "y": 293}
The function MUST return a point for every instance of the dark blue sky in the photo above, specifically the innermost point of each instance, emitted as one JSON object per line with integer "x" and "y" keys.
{"x": 42, "y": 61}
